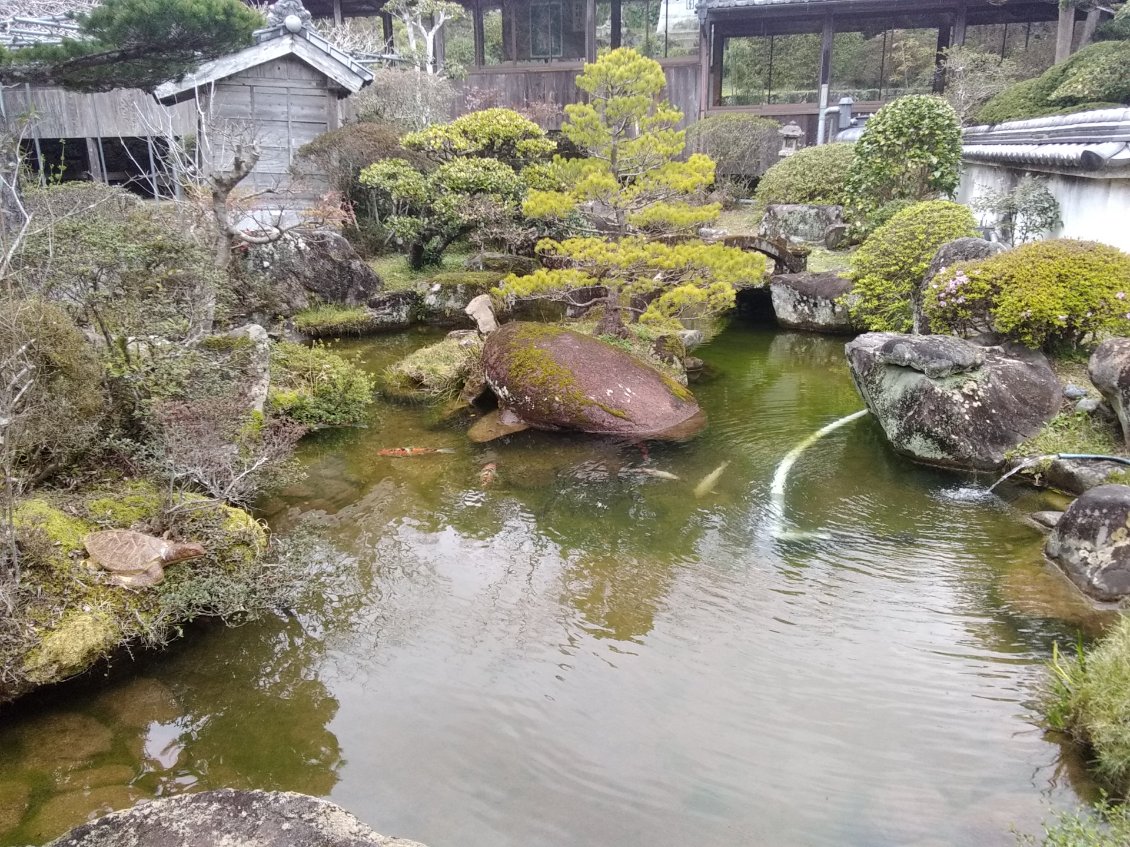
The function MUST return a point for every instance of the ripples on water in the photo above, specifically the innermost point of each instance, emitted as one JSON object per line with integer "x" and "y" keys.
{"x": 578, "y": 655}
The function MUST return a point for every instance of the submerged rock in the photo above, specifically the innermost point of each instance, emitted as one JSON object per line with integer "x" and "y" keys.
{"x": 555, "y": 379}
{"x": 227, "y": 816}
{"x": 1091, "y": 542}
{"x": 812, "y": 301}
{"x": 1109, "y": 369}
{"x": 944, "y": 401}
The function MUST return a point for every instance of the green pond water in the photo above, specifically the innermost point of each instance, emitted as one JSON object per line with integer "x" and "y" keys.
{"x": 578, "y": 654}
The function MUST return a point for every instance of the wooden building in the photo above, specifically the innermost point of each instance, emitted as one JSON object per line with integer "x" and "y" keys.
{"x": 544, "y": 43}
{"x": 282, "y": 91}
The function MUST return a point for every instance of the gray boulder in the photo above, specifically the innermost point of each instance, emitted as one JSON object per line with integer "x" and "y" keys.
{"x": 1109, "y": 370}
{"x": 230, "y": 817}
{"x": 1076, "y": 476}
{"x": 321, "y": 267}
{"x": 396, "y": 309}
{"x": 961, "y": 250}
{"x": 812, "y": 301}
{"x": 255, "y": 380}
{"x": 944, "y": 401}
{"x": 800, "y": 222}
{"x": 481, "y": 311}
{"x": 1091, "y": 542}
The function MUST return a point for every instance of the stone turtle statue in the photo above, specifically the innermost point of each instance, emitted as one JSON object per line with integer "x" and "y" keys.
{"x": 134, "y": 559}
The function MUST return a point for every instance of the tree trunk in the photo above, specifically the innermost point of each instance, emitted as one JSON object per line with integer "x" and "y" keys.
{"x": 1065, "y": 31}
{"x": 612, "y": 321}
{"x": 416, "y": 253}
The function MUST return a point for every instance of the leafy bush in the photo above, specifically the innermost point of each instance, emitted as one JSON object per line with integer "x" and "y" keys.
{"x": 910, "y": 150}
{"x": 1094, "y": 77}
{"x": 816, "y": 175}
{"x": 127, "y": 268}
{"x": 891, "y": 262}
{"x": 318, "y": 388}
{"x": 1090, "y": 700}
{"x": 1046, "y": 292}
{"x": 740, "y": 145}
{"x": 1101, "y": 825}
{"x": 1022, "y": 212}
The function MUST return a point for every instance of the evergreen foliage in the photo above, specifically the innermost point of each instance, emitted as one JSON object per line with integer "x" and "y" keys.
{"x": 677, "y": 281}
{"x": 632, "y": 179}
{"x": 910, "y": 150}
{"x": 1095, "y": 77}
{"x": 816, "y": 175}
{"x": 317, "y": 388}
{"x": 1042, "y": 293}
{"x": 135, "y": 44}
{"x": 890, "y": 264}
{"x": 472, "y": 182}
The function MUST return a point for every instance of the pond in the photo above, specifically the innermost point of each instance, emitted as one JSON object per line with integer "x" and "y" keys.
{"x": 578, "y": 652}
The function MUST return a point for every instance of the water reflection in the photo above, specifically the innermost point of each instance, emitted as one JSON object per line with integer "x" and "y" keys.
{"x": 208, "y": 713}
{"x": 582, "y": 653}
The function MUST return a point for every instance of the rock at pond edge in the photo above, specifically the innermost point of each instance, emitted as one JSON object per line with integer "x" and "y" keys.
{"x": 1091, "y": 542}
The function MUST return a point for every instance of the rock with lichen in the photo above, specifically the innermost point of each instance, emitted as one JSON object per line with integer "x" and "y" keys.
{"x": 227, "y": 816}
{"x": 553, "y": 378}
{"x": 1091, "y": 543}
{"x": 944, "y": 401}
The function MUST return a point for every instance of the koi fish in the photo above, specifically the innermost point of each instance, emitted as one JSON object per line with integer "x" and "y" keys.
{"x": 408, "y": 452}
{"x": 710, "y": 480}
{"x": 488, "y": 475}
{"x": 651, "y": 472}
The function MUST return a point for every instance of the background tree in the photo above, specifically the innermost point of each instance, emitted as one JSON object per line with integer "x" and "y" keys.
{"x": 632, "y": 180}
{"x": 423, "y": 19}
{"x": 135, "y": 44}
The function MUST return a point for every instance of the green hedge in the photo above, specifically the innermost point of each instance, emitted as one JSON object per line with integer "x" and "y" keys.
{"x": 1046, "y": 292}
{"x": 892, "y": 261}
{"x": 317, "y": 387}
{"x": 815, "y": 175}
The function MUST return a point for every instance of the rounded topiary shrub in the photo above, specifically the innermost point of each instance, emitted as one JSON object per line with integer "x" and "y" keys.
{"x": 910, "y": 150}
{"x": 892, "y": 261}
{"x": 816, "y": 175}
{"x": 1046, "y": 292}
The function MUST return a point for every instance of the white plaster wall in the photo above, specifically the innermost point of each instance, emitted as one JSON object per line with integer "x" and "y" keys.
{"x": 1093, "y": 208}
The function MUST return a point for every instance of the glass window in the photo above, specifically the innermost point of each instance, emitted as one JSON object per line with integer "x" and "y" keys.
{"x": 545, "y": 30}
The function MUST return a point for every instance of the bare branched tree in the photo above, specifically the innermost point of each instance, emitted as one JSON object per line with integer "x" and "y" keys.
{"x": 423, "y": 20}
{"x": 210, "y": 446}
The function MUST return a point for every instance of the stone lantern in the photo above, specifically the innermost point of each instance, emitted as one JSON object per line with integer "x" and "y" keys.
{"x": 792, "y": 139}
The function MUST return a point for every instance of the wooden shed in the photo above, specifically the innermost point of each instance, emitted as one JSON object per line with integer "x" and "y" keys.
{"x": 284, "y": 90}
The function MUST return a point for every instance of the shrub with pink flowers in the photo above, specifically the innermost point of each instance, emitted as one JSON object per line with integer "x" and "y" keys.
{"x": 1042, "y": 294}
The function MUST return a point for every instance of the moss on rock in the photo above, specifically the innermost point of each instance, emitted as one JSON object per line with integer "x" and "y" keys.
{"x": 68, "y": 616}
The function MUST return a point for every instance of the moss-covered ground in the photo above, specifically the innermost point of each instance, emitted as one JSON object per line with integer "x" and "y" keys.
{"x": 67, "y": 616}
{"x": 393, "y": 269}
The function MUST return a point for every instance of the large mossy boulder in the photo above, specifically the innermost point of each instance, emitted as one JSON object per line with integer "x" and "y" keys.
{"x": 230, "y": 817}
{"x": 69, "y": 615}
{"x": 1091, "y": 542}
{"x": 815, "y": 302}
{"x": 800, "y": 222}
{"x": 552, "y": 378}
{"x": 947, "y": 402}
